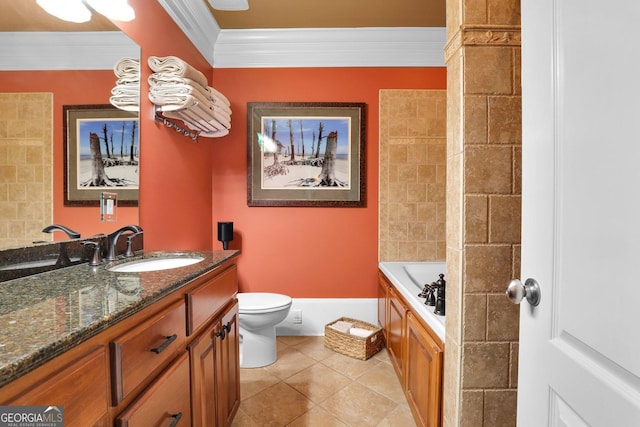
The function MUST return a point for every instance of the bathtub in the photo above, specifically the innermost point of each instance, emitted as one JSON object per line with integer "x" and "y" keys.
{"x": 409, "y": 278}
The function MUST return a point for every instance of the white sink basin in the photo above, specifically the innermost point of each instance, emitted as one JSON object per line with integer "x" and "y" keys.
{"x": 155, "y": 264}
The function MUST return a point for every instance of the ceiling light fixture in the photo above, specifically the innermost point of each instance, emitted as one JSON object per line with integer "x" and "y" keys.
{"x": 79, "y": 11}
{"x": 229, "y": 4}
{"x": 67, "y": 10}
{"x": 116, "y": 10}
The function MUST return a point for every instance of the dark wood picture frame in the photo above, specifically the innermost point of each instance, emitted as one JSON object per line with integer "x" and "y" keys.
{"x": 313, "y": 175}
{"x": 79, "y": 121}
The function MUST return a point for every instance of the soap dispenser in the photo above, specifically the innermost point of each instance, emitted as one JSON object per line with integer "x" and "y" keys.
{"x": 225, "y": 233}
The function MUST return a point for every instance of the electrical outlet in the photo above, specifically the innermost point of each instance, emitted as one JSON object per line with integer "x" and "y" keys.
{"x": 297, "y": 315}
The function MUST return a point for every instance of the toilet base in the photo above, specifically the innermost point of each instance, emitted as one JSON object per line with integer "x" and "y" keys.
{"x": 257, "y": 348}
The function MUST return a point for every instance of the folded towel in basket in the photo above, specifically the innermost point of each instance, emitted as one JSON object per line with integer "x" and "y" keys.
{"x": 341, "y": 326}
{"x": 360, "y": 332}
{"x": 177, "y": 67}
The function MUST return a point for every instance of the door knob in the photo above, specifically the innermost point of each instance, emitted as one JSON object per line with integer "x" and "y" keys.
{"x": 516, "y": 291}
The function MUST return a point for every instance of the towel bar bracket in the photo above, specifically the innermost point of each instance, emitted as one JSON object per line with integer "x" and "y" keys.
{"x": 165, "y": 121}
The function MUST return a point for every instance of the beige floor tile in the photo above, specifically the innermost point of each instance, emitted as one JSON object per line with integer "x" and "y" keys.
{"x": 382, "y": 356}
{"x": 276, "y": 406}
{"x": 317, "y": 417}
{"x": 314, "y": 348}
{"x": 318, "y": 382}
{"x": 290, "y": 361}
{"x": 401, "y": 416}
{"x": 383, "y": 379}
{"x": 254, "y": 380}
{"x": 349, "y": 366}
{"x": 294, "y": 340}
{"x": 243, "y": 420}
{"x": 358, "y": 406}
{"x": 310, "y": 386}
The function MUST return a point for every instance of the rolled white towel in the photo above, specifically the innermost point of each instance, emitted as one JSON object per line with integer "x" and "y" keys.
{"x": 126, "y": 103}
{"x": 201, "y": 118}
{"x": 126, "y": 90}
{"x": 177, "y": 67}
{"x": 180, "y": 102}
{"x": 162, "y": 80}
{"x": 127, "y": 68}
{"x": 360, "y": 332}
{"x": 181, "y": 89}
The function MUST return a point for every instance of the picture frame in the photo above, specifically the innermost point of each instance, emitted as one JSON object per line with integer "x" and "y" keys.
{"x": 313, "y": 175}
{"x": 90, "y": 167}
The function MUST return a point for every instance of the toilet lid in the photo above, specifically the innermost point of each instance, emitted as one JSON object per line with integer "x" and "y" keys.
{"x": 261, "y": 301}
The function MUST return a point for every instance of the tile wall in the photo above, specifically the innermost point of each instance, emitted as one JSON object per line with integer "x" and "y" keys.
{"x": 483, "y": 211}
{"x": 26, "y": 164}
{"x": 412, "y": 175}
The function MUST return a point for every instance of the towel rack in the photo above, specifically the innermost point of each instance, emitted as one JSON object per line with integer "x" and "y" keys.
{"x": 165, "y": 121}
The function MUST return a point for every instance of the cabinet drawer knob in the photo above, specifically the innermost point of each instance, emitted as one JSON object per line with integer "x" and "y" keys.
{"x": 176, "y": 419}
{"x": 168, "y": 341}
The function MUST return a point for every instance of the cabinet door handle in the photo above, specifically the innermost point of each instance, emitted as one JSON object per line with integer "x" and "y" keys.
{"x": 176, "y": 419}
{"x": 228, "y": 327}
{"x": 168, "y": 341}
{"x": 222, "y": 333}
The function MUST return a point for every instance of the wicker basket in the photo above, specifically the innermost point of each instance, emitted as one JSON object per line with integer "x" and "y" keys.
{"x": 352, "y": 345}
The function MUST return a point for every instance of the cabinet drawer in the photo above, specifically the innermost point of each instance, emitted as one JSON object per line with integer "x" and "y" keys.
{"x": 166, "y": 402}
{"x": 209, "y": 298}
{"x": 142, "y": 350}
{"x": 80, "y": 388}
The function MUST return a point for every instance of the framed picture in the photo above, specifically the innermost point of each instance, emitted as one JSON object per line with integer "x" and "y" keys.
{"x": 306, "y": 154}
{"x": 102, "y": 153}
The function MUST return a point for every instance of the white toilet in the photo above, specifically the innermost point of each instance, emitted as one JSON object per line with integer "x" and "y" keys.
{"x": 259, "y": 313}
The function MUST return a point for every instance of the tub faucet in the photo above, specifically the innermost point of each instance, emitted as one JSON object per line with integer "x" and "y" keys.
{"x": 56, "y": 227}
{"x": 440, "y": 300}
{"x": 112, "y": 240}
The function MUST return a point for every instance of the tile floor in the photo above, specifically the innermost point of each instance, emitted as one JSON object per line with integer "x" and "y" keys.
{"x": 310, "y": 385}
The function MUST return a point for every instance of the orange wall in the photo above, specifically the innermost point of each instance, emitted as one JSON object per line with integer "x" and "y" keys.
{"x": 175, "y": 173}
{"x": 304, "y": 252}
{"x": 69, "y": 88}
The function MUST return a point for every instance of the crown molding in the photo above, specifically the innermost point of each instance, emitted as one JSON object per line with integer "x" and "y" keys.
{"x": 196, "y": 22}
{"x": 99, "y": 50}
{"x": 330, "y": 47}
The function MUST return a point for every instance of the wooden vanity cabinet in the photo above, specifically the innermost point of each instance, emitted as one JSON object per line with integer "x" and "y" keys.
{"x": 396, "y": 327}
{"x": 215, "y": 371}
{"x": 167, "y": 364}
{"x": 423, "y": 384}
{"x": 416, "y": 353}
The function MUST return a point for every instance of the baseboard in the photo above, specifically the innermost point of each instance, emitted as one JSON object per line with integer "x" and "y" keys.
{"x": 317, "y": 312}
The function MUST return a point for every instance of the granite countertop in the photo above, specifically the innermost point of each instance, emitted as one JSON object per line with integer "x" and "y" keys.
{"x": 44, "y": 315}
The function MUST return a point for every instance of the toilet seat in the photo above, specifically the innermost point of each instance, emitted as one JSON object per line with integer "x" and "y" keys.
{"x": 262, "y": 302}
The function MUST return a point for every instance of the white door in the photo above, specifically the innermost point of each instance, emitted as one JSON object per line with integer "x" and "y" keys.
{"x": 580, "y": 347}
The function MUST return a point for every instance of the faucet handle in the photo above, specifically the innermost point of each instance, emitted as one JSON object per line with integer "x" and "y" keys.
{"x": 129, "y": 252}
{"x": 96, "y": 259}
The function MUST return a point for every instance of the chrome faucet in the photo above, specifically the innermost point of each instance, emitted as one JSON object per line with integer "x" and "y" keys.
{"x": 56, "y": 227}
{"x": 112, "y": 240}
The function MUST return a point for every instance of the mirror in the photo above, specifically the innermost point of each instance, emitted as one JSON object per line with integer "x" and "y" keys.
{"x": 46, "y": 63}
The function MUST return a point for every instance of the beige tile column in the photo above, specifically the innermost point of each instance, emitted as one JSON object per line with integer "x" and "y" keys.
{"x": 483, "y": 210}
{"x": 26, "y": 167}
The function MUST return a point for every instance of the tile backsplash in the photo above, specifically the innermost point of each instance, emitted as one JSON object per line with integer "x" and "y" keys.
{"x": 412, "y": 175}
